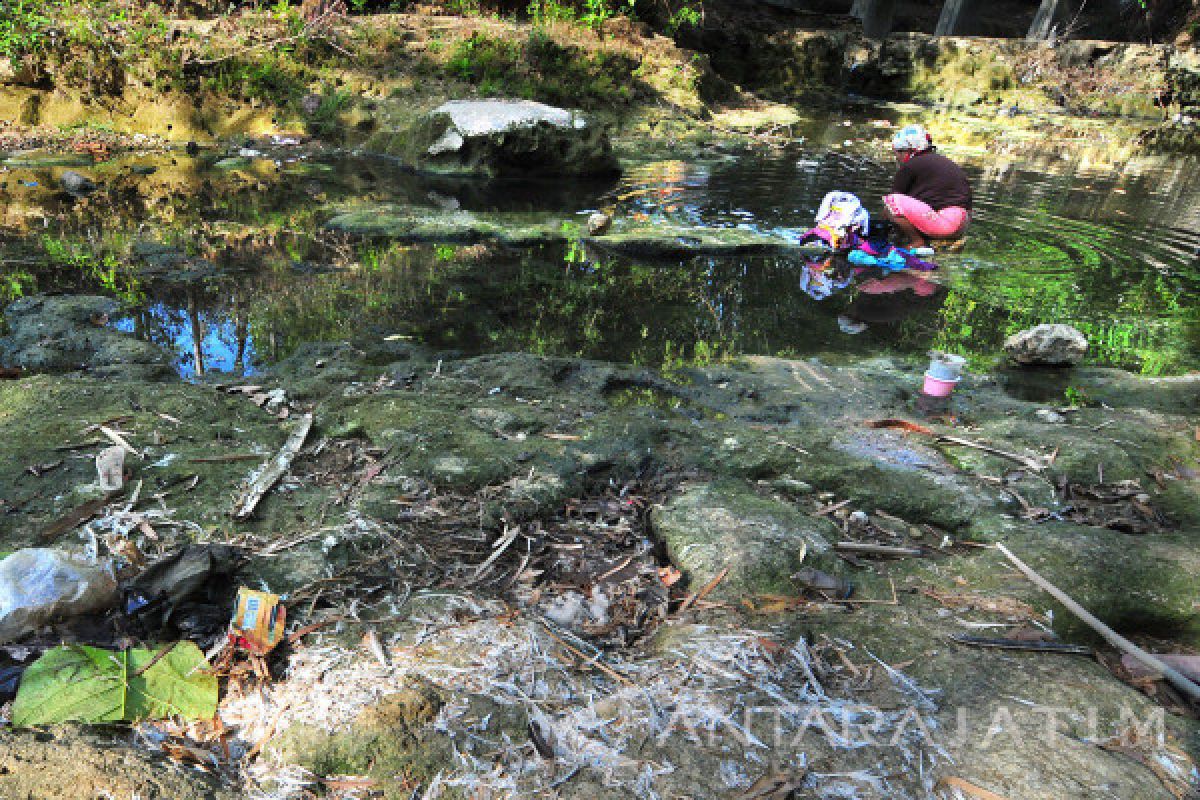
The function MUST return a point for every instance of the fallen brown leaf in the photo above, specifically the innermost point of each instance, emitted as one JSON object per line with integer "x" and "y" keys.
{"x": 968, "y": 788}
{"x": 899, "y": 425}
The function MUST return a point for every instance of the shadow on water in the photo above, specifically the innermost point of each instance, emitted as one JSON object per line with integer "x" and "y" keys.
{"x": 228, "y": 263}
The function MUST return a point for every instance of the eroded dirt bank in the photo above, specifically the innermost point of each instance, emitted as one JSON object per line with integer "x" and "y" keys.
{"x": 356, "y": 81}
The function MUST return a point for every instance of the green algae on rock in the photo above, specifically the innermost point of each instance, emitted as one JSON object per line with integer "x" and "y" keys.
{"x": 712, "y": 527}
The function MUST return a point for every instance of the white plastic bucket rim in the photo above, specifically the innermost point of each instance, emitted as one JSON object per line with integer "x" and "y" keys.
{"x": 946, "y": 367}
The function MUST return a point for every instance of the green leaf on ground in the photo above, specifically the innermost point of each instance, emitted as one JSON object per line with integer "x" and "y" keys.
{"x": 75, "y": 683}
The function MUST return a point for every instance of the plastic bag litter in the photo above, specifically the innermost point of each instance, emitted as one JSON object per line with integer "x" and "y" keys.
{"x": 110, "y": 466}
{"x": 187, "y": 594}
{"x": 38, "y": 585}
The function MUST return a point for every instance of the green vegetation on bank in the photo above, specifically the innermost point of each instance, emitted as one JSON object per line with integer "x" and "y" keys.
{"x": 327, "y": 73}
{"x": 542, "y": 69}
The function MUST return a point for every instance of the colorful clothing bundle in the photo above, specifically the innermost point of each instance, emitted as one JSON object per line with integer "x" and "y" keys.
{"x": 842, "y": 223}
{"x": 889, "y": 259}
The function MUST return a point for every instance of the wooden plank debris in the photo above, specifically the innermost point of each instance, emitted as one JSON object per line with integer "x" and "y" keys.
{"x": 273, "y": 470}
{"x": 77, "y": 516}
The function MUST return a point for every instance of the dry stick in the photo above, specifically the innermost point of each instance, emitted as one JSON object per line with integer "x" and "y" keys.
{"x": 157, "y": 657}
{"x": 266, "y": 737}
{"x": 1015, "y": 644}
{"x": 878, "y": 549}
{"x": 592, "y": 661}
{"x": 614, "y": 570}
{"x": 273, "y": 470}
{"x": 791, "y": 446}
{"x": 1025, "y": 461}
{"x": 89, "y": 443}
{"x": 223, "y": 459}
{"x": 704, "y": 592}
{"x": 119, "y": 441}
{"x": 498, "y": 549}
{"x": 1172, "y": 676}
{"x": 830, "y": 508}
{"x": 895, "y": 601}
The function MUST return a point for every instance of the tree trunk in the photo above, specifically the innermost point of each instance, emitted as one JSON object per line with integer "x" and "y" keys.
{"x": 957, "y": 18}
{"x": 197, "y": 335}
{"x": 877, "y": 18}
{"x": 859, "y": 9}
{"x": 1048, "y": 20}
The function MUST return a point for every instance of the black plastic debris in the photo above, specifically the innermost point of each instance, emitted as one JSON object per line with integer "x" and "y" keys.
{"x": 187, "y": 595}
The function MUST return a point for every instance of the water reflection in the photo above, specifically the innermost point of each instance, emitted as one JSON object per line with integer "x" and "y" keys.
{"x": 230, "y": 266}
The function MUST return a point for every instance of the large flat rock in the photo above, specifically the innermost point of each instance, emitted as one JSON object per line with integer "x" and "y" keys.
{"x": 504, "y": 139}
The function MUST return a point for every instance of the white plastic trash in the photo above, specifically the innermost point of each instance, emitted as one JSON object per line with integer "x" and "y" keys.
{"x": 38, "y": 585}
{"x": 110, "y": 465}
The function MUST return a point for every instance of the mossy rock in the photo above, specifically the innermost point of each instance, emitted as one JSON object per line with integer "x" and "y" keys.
{"x": 390, "y": 742}
{"x": 762, "y": 542}
{"x": 71, "y": 332}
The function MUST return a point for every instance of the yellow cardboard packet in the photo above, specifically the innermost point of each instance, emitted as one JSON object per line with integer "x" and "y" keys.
{"x": 258, "y": 620}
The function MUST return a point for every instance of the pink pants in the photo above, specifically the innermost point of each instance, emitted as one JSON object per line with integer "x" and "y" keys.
{"x": 942, "y": 224}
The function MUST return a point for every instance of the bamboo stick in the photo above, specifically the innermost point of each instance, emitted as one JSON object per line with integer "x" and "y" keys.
{"x": 1172, "y": 676}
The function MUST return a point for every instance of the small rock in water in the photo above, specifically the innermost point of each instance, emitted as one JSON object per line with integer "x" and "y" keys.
{"x": 1049, "y": 417}
{"x": 74, "y": 183}
{"x": 1051, "y": 345}
{"x": 850, "y": 326}
{"x": 599, "y": 223}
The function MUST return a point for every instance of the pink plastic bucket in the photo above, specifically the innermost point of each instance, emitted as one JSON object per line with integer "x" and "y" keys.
{"x": 936, "y": 387}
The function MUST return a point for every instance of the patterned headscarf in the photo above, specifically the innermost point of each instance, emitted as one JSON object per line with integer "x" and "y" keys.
{"x": 912, "y": 137}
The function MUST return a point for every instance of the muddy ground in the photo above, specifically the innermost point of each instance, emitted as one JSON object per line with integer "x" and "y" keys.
{"x": 489, "y": 545}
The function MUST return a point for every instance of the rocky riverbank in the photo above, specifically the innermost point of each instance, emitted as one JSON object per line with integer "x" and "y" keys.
{"x": 504, "y": 530}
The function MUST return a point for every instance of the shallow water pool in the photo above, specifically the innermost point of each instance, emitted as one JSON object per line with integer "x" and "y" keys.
{"x": 227, "y": 262}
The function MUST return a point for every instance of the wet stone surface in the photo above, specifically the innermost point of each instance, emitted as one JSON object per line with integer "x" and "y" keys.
{"x": 420, "y": 468}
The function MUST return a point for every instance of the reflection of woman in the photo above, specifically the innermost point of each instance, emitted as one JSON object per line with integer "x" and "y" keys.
{"x": 882, "y": 301}
{"x": 931, "y": 196}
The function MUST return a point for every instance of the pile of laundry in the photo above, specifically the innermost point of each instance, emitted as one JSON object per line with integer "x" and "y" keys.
{"x": 845, "y": 227}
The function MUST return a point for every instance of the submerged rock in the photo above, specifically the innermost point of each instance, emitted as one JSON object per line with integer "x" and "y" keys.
{"x": 1051, "y": 345}
{"x": 507, "y": 138}
{"x": 74, "y": 183}
{"x": 516, "y": 229}
{"x": 599, "y": 223}
{"x": 68, "y": 333}
{"x": 443, "y": 227}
